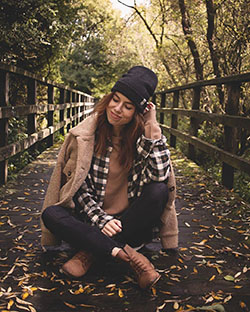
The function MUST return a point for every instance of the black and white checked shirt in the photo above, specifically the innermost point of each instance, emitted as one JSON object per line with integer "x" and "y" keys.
{"x": 151, "y": 164}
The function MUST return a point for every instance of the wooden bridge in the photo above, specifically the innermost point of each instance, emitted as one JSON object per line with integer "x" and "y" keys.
{"x": 210, "y": 272}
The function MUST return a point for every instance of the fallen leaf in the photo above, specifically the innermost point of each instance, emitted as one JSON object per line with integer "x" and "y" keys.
{"x": 25, "y": 295}
{"x": 120, "y": 293}
{"x": 69, "y": 305}
{"x": 176, "y": 306}
{"x": 212, "y": 278}
{"x": 10, "y": 304}
{"x": 227, "y": 298}
{"x": 229, "y": 278}
{"x": 242, "y": 304}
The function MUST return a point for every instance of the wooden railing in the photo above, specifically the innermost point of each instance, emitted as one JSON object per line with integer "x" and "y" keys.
{"x": 230, "y": 120}
{"x": 72, "y": 106}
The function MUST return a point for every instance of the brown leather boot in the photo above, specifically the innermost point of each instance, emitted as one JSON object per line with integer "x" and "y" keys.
{"x": 144, "y": 269}
{"x": 78, "y": 265}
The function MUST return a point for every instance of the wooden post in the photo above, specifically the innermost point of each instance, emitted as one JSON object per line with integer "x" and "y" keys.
{"x": 194, "y": 122}
{"x": 50, "y": 140}
{"x": 174, "y": 118}
{"x": 82, "y": 107}
{"x": 32, "y": 100}
{"x": 69, "y": 97}
{"x": 77, "y": 108}
{"x": 73, "y": 108}
{"x": 163, "y": 104}
{"x": 230, "y": 133}
{"x": 62, "y": 111}
{"x": 4, "y": 101}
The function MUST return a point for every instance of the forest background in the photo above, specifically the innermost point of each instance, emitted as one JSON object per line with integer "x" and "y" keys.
{"x": 88, "y": 44}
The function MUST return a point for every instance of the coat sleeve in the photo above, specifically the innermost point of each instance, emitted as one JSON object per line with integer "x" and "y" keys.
{"x": 169, "y": 228}
{"x": 53, "y": 190}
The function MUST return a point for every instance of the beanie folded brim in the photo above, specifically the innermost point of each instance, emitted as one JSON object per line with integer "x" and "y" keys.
{"x": 129, "y": 93}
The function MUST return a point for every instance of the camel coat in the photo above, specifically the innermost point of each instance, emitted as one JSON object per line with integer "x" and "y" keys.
{"x": 72, "y": 167}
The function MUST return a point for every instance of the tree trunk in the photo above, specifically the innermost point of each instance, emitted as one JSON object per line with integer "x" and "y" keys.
{"x": 186, "y": 26}
{"x": 211, "y": 11}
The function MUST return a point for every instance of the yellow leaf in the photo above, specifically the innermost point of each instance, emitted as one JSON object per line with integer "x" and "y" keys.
{"x": 218, "y": 270}
{"x": 10, "y": 304}
{"x": 180, "y": 260}
{"x": 45, "y": 274}
{"x": 190, "y": 307}
{"x": 176, "y": 306}
{"x": 69, "y": 305}
{"x": 25, "y": 295}
{"x": 202, "y": 242}
{"x": 237, "y": 286}
{"x": 120, "y": 293}
{"x": 183, "y": 249}
{"x": 242, "y": 304}
{"x": 86, "y": 305}
{"x": 212, "y": 278}
{"x": 153, "y": 291}
{"x": 165, "y": 292}
{"x": 26, "y": 193}
{"x": 195, "y": 270}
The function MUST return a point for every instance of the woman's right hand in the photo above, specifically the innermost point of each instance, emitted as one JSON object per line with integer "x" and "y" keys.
{"x": 112, "y": 227}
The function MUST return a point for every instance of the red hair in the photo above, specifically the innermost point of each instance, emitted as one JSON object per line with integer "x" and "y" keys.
{"x": 130, "y": 133}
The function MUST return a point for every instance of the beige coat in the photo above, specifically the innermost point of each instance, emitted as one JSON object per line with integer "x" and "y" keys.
{"x": 72, "y": 167}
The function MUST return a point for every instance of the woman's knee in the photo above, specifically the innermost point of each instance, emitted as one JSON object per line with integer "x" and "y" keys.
{"x": 52, "y": 213}
{"x": 157, "y": 191}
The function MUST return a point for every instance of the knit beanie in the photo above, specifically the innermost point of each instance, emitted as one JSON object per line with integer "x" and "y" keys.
{"x": 138, "y": 85}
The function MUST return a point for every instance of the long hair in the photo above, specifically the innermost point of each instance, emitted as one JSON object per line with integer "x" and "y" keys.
{"x": 130, "y": 133}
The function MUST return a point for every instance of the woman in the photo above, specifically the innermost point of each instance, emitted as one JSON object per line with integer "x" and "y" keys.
{"x": 113, "y": 182}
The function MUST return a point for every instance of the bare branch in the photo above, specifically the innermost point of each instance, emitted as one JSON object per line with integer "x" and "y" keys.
{"x": 144, "y": 21}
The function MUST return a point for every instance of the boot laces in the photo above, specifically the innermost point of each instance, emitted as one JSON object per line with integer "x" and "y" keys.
{"x": 138, "y": 265}
{"x": 83, "y": 257}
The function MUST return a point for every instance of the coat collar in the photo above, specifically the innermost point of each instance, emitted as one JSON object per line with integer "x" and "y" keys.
{"x": 85, "y": 128}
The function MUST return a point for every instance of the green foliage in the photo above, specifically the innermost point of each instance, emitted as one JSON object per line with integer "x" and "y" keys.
{"x": 34, "y": 32}
{"x": 100, "y": 55}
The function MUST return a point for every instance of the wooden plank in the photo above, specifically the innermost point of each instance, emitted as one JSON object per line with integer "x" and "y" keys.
{"x": 217, "y": 81}
{"x": 25, "y": 73}
{"x": 62, "y": 110}
{"x": 24, "y": 110}
{"x": 230, "y": 133}
{"x": 174, "y": 118}
{"x": 194, "y": 122}
{"x": 32, "y": 100}
{"x": 163, "y": 104}
{"x": 4, "y": 125}
{"x": 17, "y": 147}
{"x": 233, "y": 160}
{"x": 50, "y": 115}
{"x": 233, "y": 121}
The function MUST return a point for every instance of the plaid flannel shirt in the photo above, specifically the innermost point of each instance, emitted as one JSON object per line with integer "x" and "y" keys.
{"x": 151, "y": 164}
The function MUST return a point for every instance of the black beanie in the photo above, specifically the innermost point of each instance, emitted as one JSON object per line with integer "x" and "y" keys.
{"x": 138, "y": 85}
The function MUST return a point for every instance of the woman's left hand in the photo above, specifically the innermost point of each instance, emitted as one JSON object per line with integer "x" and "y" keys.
{"x": 112, "y": 227}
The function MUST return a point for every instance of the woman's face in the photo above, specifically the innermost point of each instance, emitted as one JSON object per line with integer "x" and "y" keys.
{"x": 120, "y": 111}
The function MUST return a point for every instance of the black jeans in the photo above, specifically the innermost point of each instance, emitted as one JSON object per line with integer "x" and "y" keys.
{"x": 137, "y": 222}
